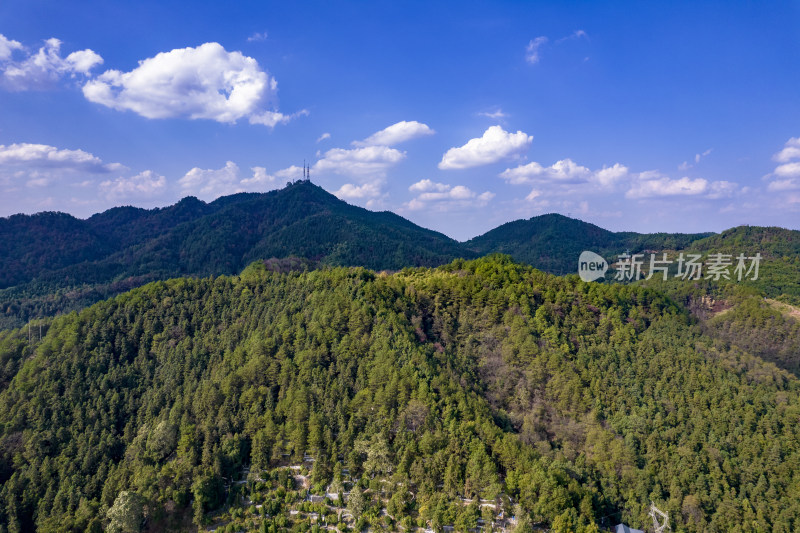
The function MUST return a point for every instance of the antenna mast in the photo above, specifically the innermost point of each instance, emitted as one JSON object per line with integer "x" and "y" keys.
{"x": 655, "y": 513}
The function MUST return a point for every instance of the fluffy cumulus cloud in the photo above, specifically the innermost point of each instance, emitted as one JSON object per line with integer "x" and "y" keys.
{"x": 146, "y": 184}
{"x": 365, "y": 162}
{"x": 563, "y": 172}
{"x": 494, "y": 145}
{"x": 565, "y": 178}
{"x": 350, "y": 191}
{"x": 608, "y": 176}
{"x": 443, "y": 197}
{"x": 369, "y": 162}
{"x": 28, "y": 156}
{"x": 209, "y": 184}
{"x": 206, "y": 82}
{"x": 43, "y": 69}
{"x": 786, "y": 176}
{"x": 7, "y": 47}
{"x": 791, "y": 150}
{"x": 649, "y": 186}
{"x": 39, "y": 176}
{"x": 396, "y": 133}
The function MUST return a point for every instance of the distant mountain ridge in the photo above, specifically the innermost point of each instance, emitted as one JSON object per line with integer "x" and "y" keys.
{"x": 553, "y": 242}
{"x": 52, "y": 263}
{"x": 193, "y": 237}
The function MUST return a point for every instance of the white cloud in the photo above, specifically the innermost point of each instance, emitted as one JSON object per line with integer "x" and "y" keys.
{"x": 292, "y": 173}
{"x": 145, "y": 184}
{"x": 41, "y": 166}
{"x": 532, "y": 50}
{"x": 349, "y": 191}
{"x": 257, "y": 37}
{"x": 260, "y": 179}
{"x": 45, "y": 68}
{"x": 786, "y": 177}
{"x": 784, "y": 185}
{"x": 369, "y": 161}
{"x": 608, "y": 176}
{"x": 697, "y": 157}
{"x": 442, "y": 197}
{"x": 722, "y": 189}
{"x": 324, "y": 136}
{"x": 209, "y": 184}
{"x": 396, "y": 133}
{"x": 577, "y": 34}
{"x": 83, "y": 61}
{"x": 496, "y": 144}
{"x": 494, "y": 115}
{"x": 791, "y": 150}
{"x": 427, "y": 185}
{"x": 273, "y": 118}
{"x": 564, "y": 171}
{"x": 206, "y": 82}
{"x": 788, "y": 170}
{"x": 45, "y": 156}
{"x": 7, "y": 47}
{"x": 652, "y": 187}
{"x": 533, "y": 195}
{"x": 523, "y": 174}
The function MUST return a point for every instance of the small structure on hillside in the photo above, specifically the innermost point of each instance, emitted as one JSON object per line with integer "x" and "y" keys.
{"x": 660, "y": 522}
{"x": 622, "y": 528}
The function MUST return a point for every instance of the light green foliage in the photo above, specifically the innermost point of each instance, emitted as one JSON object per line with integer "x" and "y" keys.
{"x": 127, "y": 513}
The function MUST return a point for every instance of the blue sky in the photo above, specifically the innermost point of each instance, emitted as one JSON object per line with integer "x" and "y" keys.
{"x": 459, "y": 116}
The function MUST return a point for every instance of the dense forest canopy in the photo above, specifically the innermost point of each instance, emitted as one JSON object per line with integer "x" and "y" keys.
{"x": 442, "y": 396}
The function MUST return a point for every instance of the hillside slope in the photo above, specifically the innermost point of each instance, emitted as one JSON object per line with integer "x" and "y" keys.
{"x": 578, "y": 402}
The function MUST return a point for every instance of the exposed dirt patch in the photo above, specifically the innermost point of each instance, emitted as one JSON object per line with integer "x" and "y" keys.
{"x": 786, "y": 309}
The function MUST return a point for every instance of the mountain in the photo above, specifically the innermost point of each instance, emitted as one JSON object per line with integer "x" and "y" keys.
{"x": 429, "y": 397}
{"x": 52, "y": 262}
{"x": 554, "y": 242}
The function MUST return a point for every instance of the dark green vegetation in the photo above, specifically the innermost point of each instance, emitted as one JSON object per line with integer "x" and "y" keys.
{"x": 52, "y": 262}
{"x": 779, "y": 276}
{"x": 581, "y": 402}
{"x": 553, "y": 242}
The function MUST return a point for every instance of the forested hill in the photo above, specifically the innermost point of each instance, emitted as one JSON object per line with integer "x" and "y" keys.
{"x": 52, "y": 262}
{"x": 221, "y": 237}
{"x": 426, "y": 397}
{"x": 554, "y": 242}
